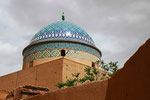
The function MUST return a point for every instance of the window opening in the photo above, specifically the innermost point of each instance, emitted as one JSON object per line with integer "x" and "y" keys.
{"x": 63, "y": 52}
{"x": 31, "y": 64}
{"x": 93, "y": 64}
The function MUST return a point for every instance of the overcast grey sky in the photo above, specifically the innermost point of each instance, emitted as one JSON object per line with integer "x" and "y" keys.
{"x": 118, "y": 27}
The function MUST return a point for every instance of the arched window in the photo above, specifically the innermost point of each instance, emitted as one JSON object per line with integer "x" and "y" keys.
{"x": 63, "y": 52}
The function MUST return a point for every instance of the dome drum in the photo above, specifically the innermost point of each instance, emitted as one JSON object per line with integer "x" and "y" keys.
{"x": 53, "y": 53}
{"x": 45, "y": 47}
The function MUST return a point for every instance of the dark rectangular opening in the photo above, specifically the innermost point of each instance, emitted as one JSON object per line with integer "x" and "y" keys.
{"x": 31, "y": 64}
{"x": 63, "y": 52}
{"x": 93, "y": 64}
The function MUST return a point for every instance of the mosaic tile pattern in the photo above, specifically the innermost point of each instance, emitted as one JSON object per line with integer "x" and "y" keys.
{"x": 62, "y": 30}
{"x": 62, "y": 45}
{"x": 56, "y": 53}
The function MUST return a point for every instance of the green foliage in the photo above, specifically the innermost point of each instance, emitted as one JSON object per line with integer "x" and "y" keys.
{"x": 95, "y": 72}
{"x": 60, "y": 85}
{"x": 110, "y": 75}
{"x": 76, "y": 74}
{"x": 90, "y": 78}
{"x": 103, "y": 74}
{"x": 87, "y": 70}
{"x": 111, "y": 67}
{"x": 70, "y": 82}
{"x": 103, "y": 77}
{"x": 91, "y": 74}
{"x": 82, "y": 80}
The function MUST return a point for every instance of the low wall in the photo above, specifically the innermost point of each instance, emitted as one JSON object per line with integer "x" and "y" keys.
{"x": 91, "y": 91}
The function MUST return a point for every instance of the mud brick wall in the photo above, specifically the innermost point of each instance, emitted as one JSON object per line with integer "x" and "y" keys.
{"x": 132, "y": 82}
{"x": 45, "y": 75}
{"x": 91, "y": 91}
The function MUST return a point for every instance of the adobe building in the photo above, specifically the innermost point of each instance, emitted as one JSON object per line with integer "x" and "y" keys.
{"x": 63, "y": 48}
{"x": 54, "y": 52}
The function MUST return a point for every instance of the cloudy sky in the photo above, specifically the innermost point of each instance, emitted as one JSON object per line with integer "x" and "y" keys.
{"x": 118, "y": 27}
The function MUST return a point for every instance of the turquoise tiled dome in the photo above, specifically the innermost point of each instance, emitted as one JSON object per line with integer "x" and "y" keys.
{"x": 62, "y": 30}
{"x": 49, "y": 42}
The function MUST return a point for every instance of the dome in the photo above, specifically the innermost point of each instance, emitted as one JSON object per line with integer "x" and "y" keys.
{"x": 48, "y": 43}
{"x": 62, "y": 30}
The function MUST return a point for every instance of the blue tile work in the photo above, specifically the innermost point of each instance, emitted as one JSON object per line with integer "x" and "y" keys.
{"x": 62, "y": 30}
{"x": 49, "y": 53}
{"x": 61, "y": 45}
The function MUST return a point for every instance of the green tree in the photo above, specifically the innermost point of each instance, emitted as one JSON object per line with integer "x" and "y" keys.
{"x": 111, "y": 67}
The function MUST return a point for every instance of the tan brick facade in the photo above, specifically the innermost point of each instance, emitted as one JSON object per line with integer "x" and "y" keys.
{"x": 44, "y": 75}
{"x": 45, "y": 60}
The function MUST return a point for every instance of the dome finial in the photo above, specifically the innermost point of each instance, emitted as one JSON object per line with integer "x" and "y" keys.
{"x": 63, "y": 16}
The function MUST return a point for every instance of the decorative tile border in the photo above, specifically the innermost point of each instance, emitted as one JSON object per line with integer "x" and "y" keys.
{"x": 61, "y": 45}
{"x": 56, "y": 53}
